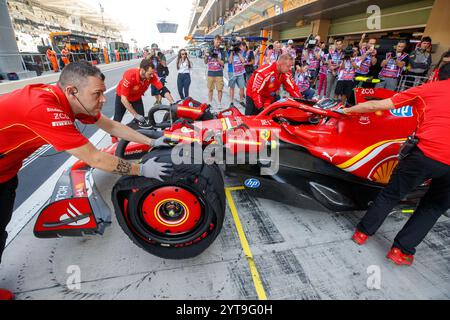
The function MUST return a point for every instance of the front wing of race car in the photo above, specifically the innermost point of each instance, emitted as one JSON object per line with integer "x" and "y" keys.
{"x": 75, "y": 208}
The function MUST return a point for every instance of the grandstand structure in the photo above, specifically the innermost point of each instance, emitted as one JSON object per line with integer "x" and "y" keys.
{"x": 33, "y": 20}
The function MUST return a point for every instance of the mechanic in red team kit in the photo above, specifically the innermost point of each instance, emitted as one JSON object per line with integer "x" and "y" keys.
{"x": 266, "y": 81}
{"x": 425, "y": 156}
{"x": 45, "y": 114}
{"x": 133, "y": 86}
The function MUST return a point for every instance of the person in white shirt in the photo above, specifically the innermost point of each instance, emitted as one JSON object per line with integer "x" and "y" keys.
{"x": 184, "y": 67}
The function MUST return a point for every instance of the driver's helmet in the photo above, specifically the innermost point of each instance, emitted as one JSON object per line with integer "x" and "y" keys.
{"x": 326, "y": 104}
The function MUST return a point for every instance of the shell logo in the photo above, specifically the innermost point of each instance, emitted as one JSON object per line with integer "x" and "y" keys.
{"x": 382, "y": 172}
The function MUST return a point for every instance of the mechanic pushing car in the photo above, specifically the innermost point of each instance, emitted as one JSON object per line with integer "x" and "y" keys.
{"x": 426, "y": 155}
{"x": 45, "y": 114}
{"x": 131, "y": 88}
{"x": 266, "y": 81}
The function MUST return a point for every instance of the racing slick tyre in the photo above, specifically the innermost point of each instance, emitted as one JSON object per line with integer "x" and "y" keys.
{"x": 175, "y": 219}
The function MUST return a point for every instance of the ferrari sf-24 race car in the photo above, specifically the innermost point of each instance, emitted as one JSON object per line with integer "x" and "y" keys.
{"x": 293, "y": 150}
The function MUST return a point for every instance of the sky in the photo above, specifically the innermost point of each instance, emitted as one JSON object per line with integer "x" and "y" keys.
{"x": 141, "y": 16}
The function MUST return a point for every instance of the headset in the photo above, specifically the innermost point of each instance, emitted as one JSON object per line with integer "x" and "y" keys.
{"x": 74, "y": 93}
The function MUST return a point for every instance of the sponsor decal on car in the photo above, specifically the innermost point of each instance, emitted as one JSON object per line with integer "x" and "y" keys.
{"x": 252, "y": 183}
{"x": 403, "y": 112}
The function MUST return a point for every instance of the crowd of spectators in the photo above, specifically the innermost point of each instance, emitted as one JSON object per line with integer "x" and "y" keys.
{"x": 326, "y": 70}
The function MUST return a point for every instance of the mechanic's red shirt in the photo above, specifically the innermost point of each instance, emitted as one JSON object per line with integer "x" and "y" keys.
{"x": 266, "y": 81}
{"x": 431, "y": 100}
{"x": 32, "y": 117}
{"x": 132, "y": 87}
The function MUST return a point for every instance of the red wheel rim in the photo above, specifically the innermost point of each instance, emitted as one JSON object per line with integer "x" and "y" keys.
{"x": 171, "y": 210}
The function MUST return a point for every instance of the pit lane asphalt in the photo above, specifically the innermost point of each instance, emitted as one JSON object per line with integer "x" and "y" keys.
{"x": 298, "y": 253}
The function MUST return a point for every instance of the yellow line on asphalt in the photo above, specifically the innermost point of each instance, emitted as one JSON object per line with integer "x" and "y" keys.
{"x": 245, "y": 246}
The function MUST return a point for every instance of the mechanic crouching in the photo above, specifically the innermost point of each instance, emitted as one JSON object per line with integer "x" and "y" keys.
{"x": 45, "y": 114}
{"x": 424, "y": 157}
{"x": 265, "y": 82}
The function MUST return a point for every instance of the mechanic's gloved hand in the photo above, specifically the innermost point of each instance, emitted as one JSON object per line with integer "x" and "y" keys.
{"x": 163, "y": 142}
{"x": 140, "y": 118}
{"x": 155, "y": 170}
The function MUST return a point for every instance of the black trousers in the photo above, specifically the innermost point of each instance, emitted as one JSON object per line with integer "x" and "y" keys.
{"x": 250, "y": 107}
{"x": 411, "y": 173}
{"x": 183, "y": 82}
{"x": 7, "y": 196}
{"x": 120, "y": 109}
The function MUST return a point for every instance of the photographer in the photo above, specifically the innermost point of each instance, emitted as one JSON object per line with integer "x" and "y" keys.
{"x": 312, "y": 55}
{"x": 425, "y": 157}
{"x": 393, "y": 66}
{"x": 214, "y": 58}
{"x": 369, "y": 56}
{"x": 237, "y": 76}
{"x": 346, "y": 74}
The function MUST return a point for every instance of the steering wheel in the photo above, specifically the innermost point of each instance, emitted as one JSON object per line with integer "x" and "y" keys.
{"x": 123, "y": 144}
{"x": 169, "y": 109}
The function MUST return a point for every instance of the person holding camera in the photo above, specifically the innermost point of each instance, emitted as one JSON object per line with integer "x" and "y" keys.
{"x": 335, "y": 57}
{"x": 238, "y": 71}
{"x": 368, "y": 56}
{"x": 424, "y": 157}
{"x": 312, "y": 55}
{"x": 303, "y": 81}
{"x": 393, "y": 66}
{"x": 214, "y": 58}
{"x": 346, "y": 74}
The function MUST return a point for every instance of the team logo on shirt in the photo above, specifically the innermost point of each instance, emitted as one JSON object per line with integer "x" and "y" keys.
{"x": 136, "y": 88}
{"x": 62, "y": 123}
{"x": 404, "y": 112}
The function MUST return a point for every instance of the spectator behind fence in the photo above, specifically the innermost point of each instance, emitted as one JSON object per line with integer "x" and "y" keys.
{"x": 420, "y": 63}
{"x": 393, "y": 66}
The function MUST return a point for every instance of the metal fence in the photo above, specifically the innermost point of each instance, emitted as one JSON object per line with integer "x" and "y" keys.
{"x": 40, "y": 64}
{"x": 408, "y": 81}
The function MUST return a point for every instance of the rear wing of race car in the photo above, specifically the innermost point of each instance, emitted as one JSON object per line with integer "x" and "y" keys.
{"x": 75, "y": 208}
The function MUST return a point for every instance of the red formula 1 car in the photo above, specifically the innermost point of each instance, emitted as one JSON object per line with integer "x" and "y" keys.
{"x": 307, "y": 151}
